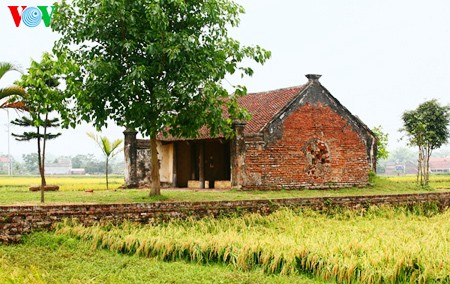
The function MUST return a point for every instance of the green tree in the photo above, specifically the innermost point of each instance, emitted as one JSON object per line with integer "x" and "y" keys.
{"x": 8, "y": 94}
{"x": 442, "y": 153}
{"x": 403, "y": 154}
{"x": 19, "y": 168}
{"x": 31, "y": 163}
{"x": 42, "y": 135}
{"x": 118, "y": 167}
{"x": 154, "y": 66}
{"x": 89, "y": 163}
{"x": 43, "y": 96}
{"x": 109, "y": 149}
{"x": 382, "y": 142}
{"x": 427, "y": 128}
{"x": 78, "y": 161}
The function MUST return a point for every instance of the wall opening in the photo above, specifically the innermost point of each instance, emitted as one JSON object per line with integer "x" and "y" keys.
{"x": 216, "y": 161}
{"x": 318, "y": 159}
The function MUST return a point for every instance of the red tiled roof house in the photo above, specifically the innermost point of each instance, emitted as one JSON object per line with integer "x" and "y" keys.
{"x": 297, "y": 137}
{"x": 440, "y": 165}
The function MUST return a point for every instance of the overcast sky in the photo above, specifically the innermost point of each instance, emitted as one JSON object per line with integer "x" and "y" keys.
{"x": 378, "y": 58}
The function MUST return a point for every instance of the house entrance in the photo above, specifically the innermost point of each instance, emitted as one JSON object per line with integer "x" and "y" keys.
{"x": 209, "y": 159}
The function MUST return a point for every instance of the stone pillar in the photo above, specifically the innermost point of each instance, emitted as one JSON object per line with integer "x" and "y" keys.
{"x": 130, "y": 151}
{"x": 237, "y": 154}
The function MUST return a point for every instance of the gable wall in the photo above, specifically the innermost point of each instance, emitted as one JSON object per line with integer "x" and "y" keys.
{"x": 316, "y": 148}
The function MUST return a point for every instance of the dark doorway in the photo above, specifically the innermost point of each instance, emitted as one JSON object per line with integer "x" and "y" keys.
{"x": 183, "y": 167}
{"x": 216, "y": 160}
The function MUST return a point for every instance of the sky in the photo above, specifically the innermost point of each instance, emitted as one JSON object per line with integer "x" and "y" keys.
{"x": 378, "y": 58}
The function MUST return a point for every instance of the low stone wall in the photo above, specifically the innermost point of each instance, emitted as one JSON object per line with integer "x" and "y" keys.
{"x": 18, "y": 220}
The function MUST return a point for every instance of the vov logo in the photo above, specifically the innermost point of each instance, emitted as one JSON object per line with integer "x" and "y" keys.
{"x": 32, "y": 16}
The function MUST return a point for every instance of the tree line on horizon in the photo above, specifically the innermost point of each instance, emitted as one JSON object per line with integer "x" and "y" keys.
{"x": 89, "y": 162}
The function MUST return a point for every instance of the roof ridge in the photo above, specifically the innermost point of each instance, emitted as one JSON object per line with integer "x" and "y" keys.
{"x": 276, "y": 90}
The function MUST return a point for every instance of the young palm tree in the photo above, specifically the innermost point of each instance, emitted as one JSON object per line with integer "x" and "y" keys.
{"x": 109, "y": 149}
{"x": 8, "y": 93}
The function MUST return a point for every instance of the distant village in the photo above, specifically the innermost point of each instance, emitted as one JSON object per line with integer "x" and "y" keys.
{"x": 77, "y": 165}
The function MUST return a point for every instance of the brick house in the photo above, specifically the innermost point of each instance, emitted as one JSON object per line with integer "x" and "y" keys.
{"x": 298, "y": 137}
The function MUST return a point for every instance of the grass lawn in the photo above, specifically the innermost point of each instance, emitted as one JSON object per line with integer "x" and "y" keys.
{"x": 14, "y": 191}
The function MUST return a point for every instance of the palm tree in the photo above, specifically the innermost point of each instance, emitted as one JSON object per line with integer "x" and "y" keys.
{"x": 7, "y": 94}
{"x": 109, "y": 149}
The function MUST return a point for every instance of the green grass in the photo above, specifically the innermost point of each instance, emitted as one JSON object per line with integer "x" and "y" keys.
{"x": 375, "y": 245}
{"x": 50, "y": 258}
{"x": 14, "y": 191}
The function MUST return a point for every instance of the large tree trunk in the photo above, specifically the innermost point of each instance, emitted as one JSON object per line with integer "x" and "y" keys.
{"x": 421, "y": 165}
{"x": 427, "y": 166}
{"x": 418, "y": 168}
{"x": 156, "y": 184}
{"x": 424, "y": 166}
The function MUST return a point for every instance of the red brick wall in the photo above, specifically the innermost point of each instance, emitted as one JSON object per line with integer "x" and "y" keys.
{"x": 18, "y": 220}
{"x": 286, "y": 162}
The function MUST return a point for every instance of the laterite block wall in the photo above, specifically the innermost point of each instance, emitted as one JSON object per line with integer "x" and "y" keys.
{"x": 18, "y": 220}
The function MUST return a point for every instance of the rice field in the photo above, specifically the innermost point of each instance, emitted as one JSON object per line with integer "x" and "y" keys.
{"x": 66, "y": 183}
{"x": 379, "y": 245}
{"x": 436, "y": 181}
{"x": 44, "y": 258}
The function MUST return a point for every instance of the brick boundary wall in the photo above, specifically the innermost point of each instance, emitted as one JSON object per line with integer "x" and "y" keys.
{"x": 18, "y": 220}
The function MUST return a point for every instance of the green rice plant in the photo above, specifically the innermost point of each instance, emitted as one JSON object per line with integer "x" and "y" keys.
{"x": 378, "y": 245}
{"x": 65, "y": 183}
{"x": 44, "y": 257}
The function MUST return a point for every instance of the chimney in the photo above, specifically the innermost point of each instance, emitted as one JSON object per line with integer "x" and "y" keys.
{"x": 313, "y": 77}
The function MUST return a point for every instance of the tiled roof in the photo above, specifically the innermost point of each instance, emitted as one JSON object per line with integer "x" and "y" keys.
{"x": 263, "y": 107}
{"x": 440, "y": 163}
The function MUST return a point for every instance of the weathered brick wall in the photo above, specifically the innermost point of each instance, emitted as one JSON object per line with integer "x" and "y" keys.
{"x": 317, "y": 148}
{"x": 18, "y": 220}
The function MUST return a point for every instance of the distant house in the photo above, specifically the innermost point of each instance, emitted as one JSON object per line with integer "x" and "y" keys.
{"x": 61, "y": 167}
{"x": 400, "y": 168}
{"x": 78, "y": 171}
{"x": 4, "y": 164}
{"x": 440, "y": 165}
{"x": 298, "y": 137}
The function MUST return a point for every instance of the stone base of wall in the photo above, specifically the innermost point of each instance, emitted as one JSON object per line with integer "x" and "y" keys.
{"x": 18, "y": 220}
{"x": 332, "y": 185}
{"x": 222, "y": 184}
{"x": 196, "y": 184}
